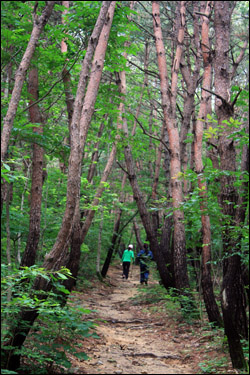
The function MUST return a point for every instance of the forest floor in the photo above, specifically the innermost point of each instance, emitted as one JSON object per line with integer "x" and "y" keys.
{"x": 144, "y": 338}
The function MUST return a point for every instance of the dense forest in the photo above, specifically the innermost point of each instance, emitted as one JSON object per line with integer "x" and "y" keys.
{"x": 123, "y": 122}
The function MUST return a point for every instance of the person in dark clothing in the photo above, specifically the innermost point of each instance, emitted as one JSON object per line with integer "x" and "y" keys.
{"x": 144, "y": 256}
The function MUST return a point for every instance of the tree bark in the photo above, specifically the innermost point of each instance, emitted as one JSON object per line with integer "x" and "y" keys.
{"x": 29, "y": 256}
{"x": 111, "y": 249}
{"x": 88, "y": 109}
{"x": 206, "y": 280}
{"x": 21, "y": 212}
{"x": 191, "y": 78}
{"x": 137, "y": 234}
{"x": 38, "y": 26}
{"x": 56, "y": 255}
{"x": 168, "y": 97}
{"x": 233, "y": 304}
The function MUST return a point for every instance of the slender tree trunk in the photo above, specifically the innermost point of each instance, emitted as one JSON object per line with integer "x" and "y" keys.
{"x": 145, "y": 216}
{"x": 137, "y": 234}
{"x": 99, "y": 192}
{"x": 88, "y": 109}
{"x": 233, "y": 304}
{"x": 155, "y": 214}
{"x": 99, "y": 246}
{"x": 29, "y": 256}
{"x": 21, "y": 212}
{"x": 191, "y": 78}
{"x": 206, "y": 280}
{"x": 56, "y": 255}
{"x": 39, "y": 23}
{"x": 95, "y": 77}
{"x": 111, "y": 249}
{"x": 169, "y": 111}
{"x": 73, "y": 258}
{"x": 94, "y": 157}
{"x": 116, "y": 234}
{"x": 165, "y": 243}
{"x": 69, "y": 98}
{"x": 8, "y": 244}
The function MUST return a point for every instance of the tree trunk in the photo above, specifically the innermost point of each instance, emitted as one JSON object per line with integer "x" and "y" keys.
{"x": 206, "y": 280}
{"x": 99, "y": 246}
{"x": 233, "y": 302}
{"x": 137, "y": 234}
{"x": 21, "y": 212}
{"x": 88, "y": 109}
{"x": 169, "y": 111}
{"x": 116, "y": 233}
{"x": 72, "y": 263}
{"x": 145, "y": 216}
{"x": 191, "y": 78}
{"x": 38, "y": 26}
{"x": 111, "y": 249}
{"x": 29, "y": 256}
{"x": 74, "y": 168}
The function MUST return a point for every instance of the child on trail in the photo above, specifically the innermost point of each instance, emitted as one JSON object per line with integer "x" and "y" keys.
{"x": 144, "y": 256}
{"x": 127, "y": 258}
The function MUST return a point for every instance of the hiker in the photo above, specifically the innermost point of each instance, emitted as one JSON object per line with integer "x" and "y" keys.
{"x": 145, "y": 256}
{"x": 127, "y": 258}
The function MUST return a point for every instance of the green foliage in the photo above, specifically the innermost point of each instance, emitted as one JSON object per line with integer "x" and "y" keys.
{"x": 54, "y": 333}
{"x": 54, "y": 336}
{"x": 214, "y": 365}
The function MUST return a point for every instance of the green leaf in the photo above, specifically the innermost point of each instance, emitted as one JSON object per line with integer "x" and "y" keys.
{"x": 62, "y": 276}
{"x": 81, "y": 356}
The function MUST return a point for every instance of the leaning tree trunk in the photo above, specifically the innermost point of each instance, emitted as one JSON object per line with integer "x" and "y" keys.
{"x": 86, "y": 115}
{"x": 111, "y": 249}
{"x": 78, "y": 121}
{"x": 145, "y": 216}
{"x": 69, "y": 98}
{"x": 29, "y": 256}
{"x": 116, "y": 234}
{"x": 233, "y": 303}
{"x": 39, "y": 23}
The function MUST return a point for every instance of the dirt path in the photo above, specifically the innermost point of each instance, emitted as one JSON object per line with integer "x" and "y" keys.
{"x": 133, "y": 339}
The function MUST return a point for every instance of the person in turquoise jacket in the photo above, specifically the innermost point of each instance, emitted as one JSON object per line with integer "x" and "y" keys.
{"x": 127, "y": 258}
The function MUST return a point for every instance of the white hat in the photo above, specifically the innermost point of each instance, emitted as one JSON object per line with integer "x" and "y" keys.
{"x": 130, "y": 246}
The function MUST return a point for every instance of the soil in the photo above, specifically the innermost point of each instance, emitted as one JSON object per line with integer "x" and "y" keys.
{"x": 138, "y": 338}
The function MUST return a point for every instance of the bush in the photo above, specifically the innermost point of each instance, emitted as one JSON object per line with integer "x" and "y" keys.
{"x": 58, "y": 328}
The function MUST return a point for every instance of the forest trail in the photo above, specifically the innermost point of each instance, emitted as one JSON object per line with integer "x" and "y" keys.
{"x": 135, "y": 339}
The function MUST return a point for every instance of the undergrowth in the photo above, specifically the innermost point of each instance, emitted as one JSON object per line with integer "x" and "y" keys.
{"x": 57, "y": 331}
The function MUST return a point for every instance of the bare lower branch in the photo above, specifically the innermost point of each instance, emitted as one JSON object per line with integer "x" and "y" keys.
{"x": 149, "y": 135}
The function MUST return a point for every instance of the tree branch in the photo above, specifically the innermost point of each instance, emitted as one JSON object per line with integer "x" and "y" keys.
{"x": 235, "y": 99}
{"x": 149, "y": 72}
{"x": 124, "y": 170}
{"x": 217, "y": 95}
{"x": 149, "y": 135}
{"x": 54, "y": 84}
